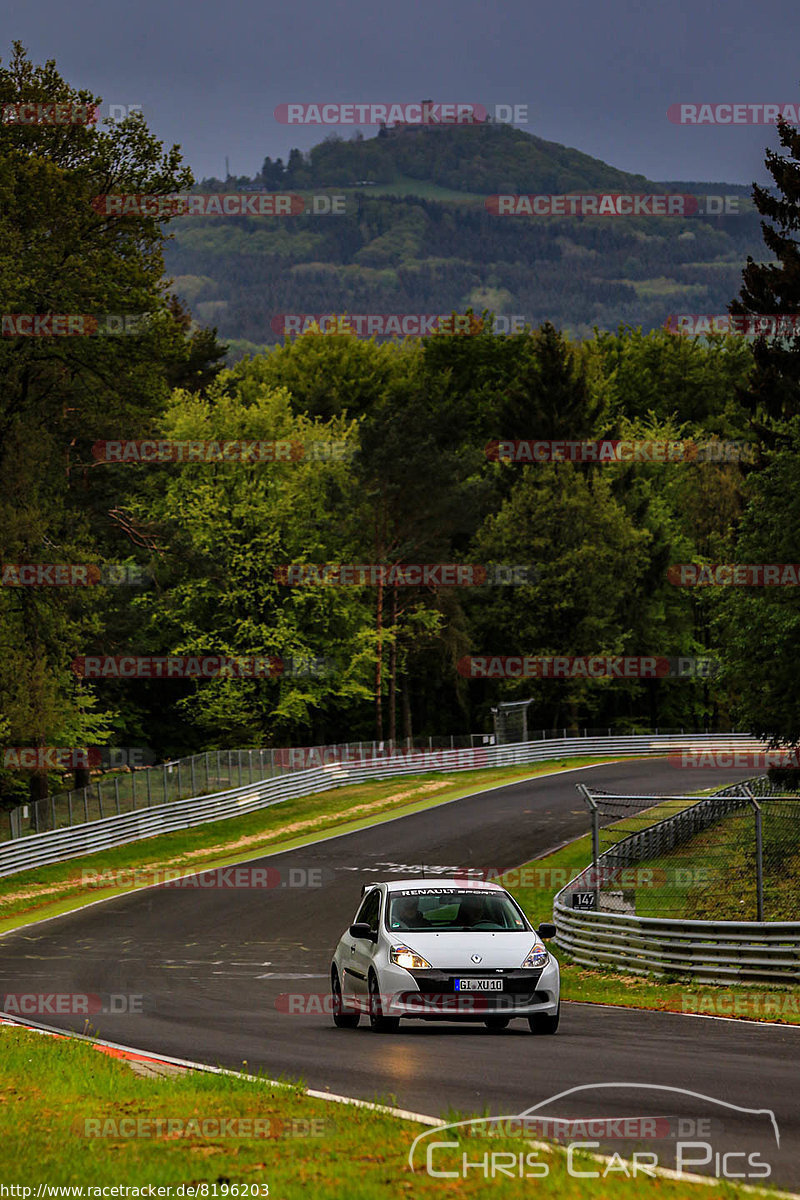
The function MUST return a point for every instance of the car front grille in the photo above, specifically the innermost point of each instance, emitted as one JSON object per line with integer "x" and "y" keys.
{"x": 438, "y": 996}
{"x": 516, "y": 982}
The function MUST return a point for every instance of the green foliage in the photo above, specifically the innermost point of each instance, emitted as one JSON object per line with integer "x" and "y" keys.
{"x": 226, "y": 528}
{"x": 761, "y": 625}
{"x": 61, "y": 394}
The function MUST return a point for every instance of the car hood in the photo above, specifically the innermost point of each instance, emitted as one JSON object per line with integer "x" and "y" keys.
{"x": 454, "y": 950}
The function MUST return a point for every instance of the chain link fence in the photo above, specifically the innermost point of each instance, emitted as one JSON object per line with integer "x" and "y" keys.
{"x": 733, "y": 856}
{"x": 128, "y": 790}
{"x": 511, "y": 724}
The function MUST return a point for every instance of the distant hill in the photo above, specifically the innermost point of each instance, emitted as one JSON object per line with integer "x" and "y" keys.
{"x": 485, "y": 158}
{"x": 416, "y": 237}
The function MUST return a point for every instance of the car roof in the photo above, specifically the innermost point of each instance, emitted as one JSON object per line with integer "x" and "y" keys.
{"x": 438, "y": 882}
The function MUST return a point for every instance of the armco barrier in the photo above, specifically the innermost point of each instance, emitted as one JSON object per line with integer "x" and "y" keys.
{"x": 60, "y": 844}
{"x": 706, "y": 951}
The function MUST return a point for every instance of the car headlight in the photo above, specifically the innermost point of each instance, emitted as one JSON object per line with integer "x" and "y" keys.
{"x": 538, "y": 956}
{"x": 404, "y": 956}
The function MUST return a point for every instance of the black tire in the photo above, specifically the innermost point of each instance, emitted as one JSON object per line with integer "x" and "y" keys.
{"x": 341, "y": 1019}
{"x": 497, "y": 1023}
{"x": 379, "y": 1023}
{"x": 542, "y": 1023}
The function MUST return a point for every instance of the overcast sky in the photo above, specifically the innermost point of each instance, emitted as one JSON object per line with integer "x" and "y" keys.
{"x": 596, "y": 76}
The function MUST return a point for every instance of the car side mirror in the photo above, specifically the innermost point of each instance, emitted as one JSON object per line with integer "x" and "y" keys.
{"x": 546, "y": 930}
{"x": 363, "y": 930}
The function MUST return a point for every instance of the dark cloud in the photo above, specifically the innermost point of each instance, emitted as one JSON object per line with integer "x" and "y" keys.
{"x": 597, "y": 76}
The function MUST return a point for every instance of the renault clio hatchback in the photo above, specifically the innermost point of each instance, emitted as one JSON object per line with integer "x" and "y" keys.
{"x": 443, "y": 950}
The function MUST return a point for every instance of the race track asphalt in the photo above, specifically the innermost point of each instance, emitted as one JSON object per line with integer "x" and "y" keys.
{"x": 214, "y": 969}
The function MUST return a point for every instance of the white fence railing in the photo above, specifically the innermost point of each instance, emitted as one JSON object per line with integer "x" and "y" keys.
{"x": 58, "y": 845}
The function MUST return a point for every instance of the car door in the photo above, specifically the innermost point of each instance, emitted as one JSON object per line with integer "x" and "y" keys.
{"x": 362, "y": 949}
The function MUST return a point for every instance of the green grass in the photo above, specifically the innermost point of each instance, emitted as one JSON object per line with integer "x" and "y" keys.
{"x": 49, "y": 891}
{"x": 54, "y": 1091}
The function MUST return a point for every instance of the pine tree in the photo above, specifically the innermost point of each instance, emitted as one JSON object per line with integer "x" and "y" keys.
{"x": 773, "y": 396}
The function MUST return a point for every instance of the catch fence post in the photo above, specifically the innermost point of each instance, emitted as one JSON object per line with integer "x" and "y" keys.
{"x": 595, "y": 840}
{"x": 759, "y": 853}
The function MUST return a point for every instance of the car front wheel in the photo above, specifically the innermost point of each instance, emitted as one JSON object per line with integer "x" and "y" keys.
{"x": 542, "y": 1023}
{"x": 377, "y": 1020}
{"x": 341, "y": 1019}
{"x": 495, "y": 1023}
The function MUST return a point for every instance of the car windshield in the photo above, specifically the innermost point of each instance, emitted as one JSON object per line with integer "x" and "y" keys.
{"x": 453, "y": 910}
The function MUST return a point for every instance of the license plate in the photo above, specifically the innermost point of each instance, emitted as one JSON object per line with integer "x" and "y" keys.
{"x": 479, "y": 985}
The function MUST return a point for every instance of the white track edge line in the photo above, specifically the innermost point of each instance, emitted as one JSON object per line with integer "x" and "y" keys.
{"x": 673, "y": 1012}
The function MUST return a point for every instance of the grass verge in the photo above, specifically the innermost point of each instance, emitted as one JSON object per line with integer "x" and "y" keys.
{"x": 62, "y": 887}
{"x": 68, "y": 1113}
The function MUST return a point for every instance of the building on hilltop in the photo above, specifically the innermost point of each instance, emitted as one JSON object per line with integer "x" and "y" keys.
{"x": 430, "y": 120}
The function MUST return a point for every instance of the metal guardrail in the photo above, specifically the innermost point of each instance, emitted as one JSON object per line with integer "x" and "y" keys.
{"x": 707, "y": 951}
{"x": 91, "y": 837}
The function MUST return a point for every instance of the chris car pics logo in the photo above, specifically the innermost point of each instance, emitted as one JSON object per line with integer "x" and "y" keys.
{"x": 678, "y": 1130}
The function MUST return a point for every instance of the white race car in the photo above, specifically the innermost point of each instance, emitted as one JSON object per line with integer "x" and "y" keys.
{"x": 446, "y": 950}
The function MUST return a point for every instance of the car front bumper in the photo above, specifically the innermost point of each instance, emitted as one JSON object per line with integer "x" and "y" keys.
{"x": 432, "y": 995}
